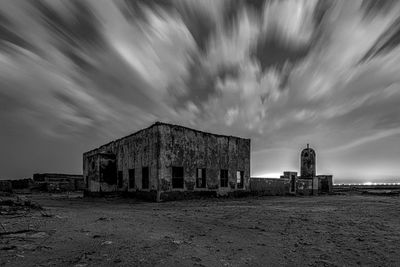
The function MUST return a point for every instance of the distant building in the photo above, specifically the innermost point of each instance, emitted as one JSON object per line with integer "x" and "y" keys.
{"x": 166, "y": 161}
{"x": 308, "y": 183}
{"x": 54, "y": 182}
{"x": 17, "y": 185}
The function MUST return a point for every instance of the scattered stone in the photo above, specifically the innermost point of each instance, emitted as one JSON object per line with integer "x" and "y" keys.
{"x": 103, "y": 219}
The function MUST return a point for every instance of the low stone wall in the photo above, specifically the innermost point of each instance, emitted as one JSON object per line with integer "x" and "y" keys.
{"x": 5, "y": 186}
{"x": 21, "y": 183}
{"x": 269, "y": 186}
{"x": 80, "y": 185}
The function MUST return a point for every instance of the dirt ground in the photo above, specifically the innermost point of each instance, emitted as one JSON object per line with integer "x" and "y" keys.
{"x": 338, "y": 230}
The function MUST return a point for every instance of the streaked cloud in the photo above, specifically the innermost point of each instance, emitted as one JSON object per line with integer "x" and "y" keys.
{"x": 283, "y": 73}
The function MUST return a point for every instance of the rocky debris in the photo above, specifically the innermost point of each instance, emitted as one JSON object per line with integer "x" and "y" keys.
{"x": 381, "y": 192}
{"x": 25, "y": 233}
{"x": 17, "y": 205}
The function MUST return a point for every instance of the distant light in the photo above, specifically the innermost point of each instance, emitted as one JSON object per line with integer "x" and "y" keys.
{"x": 269, "y": 175}
{"x": 366, "y": 183}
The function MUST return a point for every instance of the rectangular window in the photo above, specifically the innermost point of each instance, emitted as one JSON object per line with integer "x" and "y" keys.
{"x": 239, "y": 179}
{"x": 120, "y": 178}
{"x": 224, "y": 178}
{"x": 201, "y": 178}
{"x": 177, "y": 177}
{"x": 145, "y": 178}
{"x": 131, "y": 173}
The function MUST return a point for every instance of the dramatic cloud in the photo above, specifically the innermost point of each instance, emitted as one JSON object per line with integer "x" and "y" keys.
{"x": 75, "y": 74}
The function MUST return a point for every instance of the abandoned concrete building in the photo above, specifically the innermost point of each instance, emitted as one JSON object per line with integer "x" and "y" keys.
{"x": 166, "y": 161}
{"x": 308, "y": 183}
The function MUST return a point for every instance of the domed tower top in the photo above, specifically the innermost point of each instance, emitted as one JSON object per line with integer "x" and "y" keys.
{"x": 308, "y": 163}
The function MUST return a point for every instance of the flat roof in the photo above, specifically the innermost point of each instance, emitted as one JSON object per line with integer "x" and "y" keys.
{"x": 166, "y": 124}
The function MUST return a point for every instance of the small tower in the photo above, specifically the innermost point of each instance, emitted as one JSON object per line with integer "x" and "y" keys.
{"x": 307, "y": 163}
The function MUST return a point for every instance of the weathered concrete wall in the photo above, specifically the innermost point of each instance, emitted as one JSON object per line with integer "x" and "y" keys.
{"x": 163, "y": 146}
{"x": 308, "y": 163}
{"x": 283, "y": 186}
{"x": 325, "y": 184}
{"x": 315, "y": 186}
{"x": 138, "y": 150}
{"x": 304, "y": 187}
{"x": 269, "y": 186}
{"x": 91, "y": 172}
{"x": 191, "y": 149}
{"x": 280, "y": 187}
{"x": 288, "y": 174}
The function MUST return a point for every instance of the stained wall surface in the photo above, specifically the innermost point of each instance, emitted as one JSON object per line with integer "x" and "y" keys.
{"x": 307, "y": 163}
{"x": 283, "y": 186}
{"x": 133, "y": 152}
{"x": 305, "y": 187}
{"x": 270, "y": 186}
{"x": 193, "y": 150}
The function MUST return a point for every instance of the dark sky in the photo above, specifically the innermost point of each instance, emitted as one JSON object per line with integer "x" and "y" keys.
{"x": 77, "y": 74}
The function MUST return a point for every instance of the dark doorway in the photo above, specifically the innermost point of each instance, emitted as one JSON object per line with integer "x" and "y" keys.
{"x": 145, "y": 178}
{"x": 324, "y": 186}
{"x": 120, "y": 179}
{"x": 177, "y": 177}
{"x": 108, "y": 168}
{"x": 293, "y": 183}
{"x": 131, "y": 173}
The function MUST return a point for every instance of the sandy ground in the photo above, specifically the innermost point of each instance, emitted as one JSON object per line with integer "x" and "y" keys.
{"x": 340, "y": 230}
